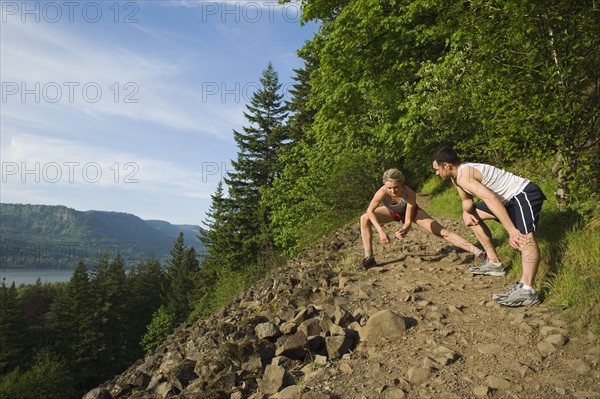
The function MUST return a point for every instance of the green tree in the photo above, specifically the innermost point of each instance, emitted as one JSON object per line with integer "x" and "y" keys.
{"x": 519, "y": 80}
{"x": 255, "y": 168}
{"x": 111, "y": 295}
{"x": 49, "y": 378}
{"x": 302, "y": 114}
{"x": 146, "y": 282}
{"x": 181, "y": 267}
{"x": 161, "y": 326}
{"x": 73, "y": 326}
{"x": 36, "y": 300}
{"x": 11, "y": 328}
{"x": 215, "y": 235}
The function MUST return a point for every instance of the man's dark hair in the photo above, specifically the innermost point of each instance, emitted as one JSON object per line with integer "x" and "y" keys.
{"x": 445, "y": 154}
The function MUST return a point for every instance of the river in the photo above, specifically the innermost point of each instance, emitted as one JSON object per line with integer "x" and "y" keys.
{"x": 30, "y": 276}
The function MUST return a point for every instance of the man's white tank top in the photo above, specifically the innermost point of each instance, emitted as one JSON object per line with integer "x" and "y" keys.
{"x": 502, "y": 183}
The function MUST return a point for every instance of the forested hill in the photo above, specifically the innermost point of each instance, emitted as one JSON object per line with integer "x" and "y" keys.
{"x": 57, "y": 236}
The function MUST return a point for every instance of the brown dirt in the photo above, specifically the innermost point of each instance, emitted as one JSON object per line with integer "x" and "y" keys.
{"x": 498, "y": 352}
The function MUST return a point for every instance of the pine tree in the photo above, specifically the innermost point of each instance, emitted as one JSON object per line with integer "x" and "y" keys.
{"x": 111, "y": 295}
{"x": 181, "y": 266}
{"x": 256, "y": 168}
{"x": 11, "y": 328}
{"x": 74, "y": 328}
{"x": 215, "y": 235}
{"x": 36, "y": 300}
{"x": 176, "y": 294}
{"x": 146, "y": 282}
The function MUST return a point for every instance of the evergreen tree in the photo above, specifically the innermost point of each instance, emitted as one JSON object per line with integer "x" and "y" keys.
{"x": 11, "y": 328}
{"x": 255, "y": 168}
{"x": 215, "y": 221}
{"x": 110, "y": 294}
{"x": 146, "y": 282}
{"x": 181, "y": 267}
{"x": 36, "y": 300}
{"x": 74, "y": 328}
{"x": 293, "y": 162}
{"x": 176, "y": 293}
{"x": 215, "y": 235}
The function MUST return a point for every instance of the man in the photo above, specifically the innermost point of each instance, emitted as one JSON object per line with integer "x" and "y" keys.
{"x": 509, "y": 199}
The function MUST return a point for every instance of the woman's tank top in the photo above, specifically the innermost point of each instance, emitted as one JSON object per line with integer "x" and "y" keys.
{"x": 398, "y": 208}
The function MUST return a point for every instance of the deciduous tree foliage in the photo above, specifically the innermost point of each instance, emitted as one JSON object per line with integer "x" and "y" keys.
{"x": 500, "y": 81}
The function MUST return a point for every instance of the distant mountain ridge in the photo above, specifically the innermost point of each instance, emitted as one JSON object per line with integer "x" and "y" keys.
{"x": 47, "y": 236}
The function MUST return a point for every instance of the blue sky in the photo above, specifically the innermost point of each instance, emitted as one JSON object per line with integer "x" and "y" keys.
{"x": 130, "y": 106}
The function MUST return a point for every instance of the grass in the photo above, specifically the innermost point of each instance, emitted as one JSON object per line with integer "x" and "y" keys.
{"x": 575, "y": 284}
{"x": 569, "y": 272}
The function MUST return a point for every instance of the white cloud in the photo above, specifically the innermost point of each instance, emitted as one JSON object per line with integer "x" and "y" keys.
{"x": 47, "y": 68}
{"x": 33, "y": 162}
{"x": 58, "y": 134}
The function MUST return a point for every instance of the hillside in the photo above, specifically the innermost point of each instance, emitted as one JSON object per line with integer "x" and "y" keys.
{"x": 417, "y": 326}
{"x": 57, "y": 236}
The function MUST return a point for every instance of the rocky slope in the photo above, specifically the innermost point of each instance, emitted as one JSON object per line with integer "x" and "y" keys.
{"x": 417, "y": 326}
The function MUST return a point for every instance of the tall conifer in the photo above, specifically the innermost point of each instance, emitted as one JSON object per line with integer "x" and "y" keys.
{"x": 255, "y": 168}
{"x": 181, "y": 266}
{"x": 11, "y": 327}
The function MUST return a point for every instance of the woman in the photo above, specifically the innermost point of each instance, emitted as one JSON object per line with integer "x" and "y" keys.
{"x": 400, "y": 205}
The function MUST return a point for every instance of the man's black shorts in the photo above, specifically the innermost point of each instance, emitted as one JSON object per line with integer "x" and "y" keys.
{"x": 524, "y": 208}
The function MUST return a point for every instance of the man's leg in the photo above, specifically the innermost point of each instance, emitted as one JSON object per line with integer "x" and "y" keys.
{"x": 530, "y": 256}
{"x": 484, "y": 235}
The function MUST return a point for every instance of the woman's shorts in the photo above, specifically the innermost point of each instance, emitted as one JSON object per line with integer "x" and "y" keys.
{"x": 523, "y": 209}
{"x": 399, "y": 217}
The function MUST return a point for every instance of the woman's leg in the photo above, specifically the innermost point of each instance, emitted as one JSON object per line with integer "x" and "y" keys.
{"x": 428, "y": 223}
{"x": 383, "y": 217}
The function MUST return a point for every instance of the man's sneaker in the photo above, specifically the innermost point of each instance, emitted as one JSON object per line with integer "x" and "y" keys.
{"x": 503, "y": 296}
{"x": 367, "y": 262}
{"x": 488, "y": 268}
{"x": 520, "y": 296}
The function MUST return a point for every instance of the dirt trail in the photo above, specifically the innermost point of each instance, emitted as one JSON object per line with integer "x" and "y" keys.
{"x": 461, "y": 343}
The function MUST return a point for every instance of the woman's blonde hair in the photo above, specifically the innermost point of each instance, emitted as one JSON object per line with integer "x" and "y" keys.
{"x": 393, "y": 174}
